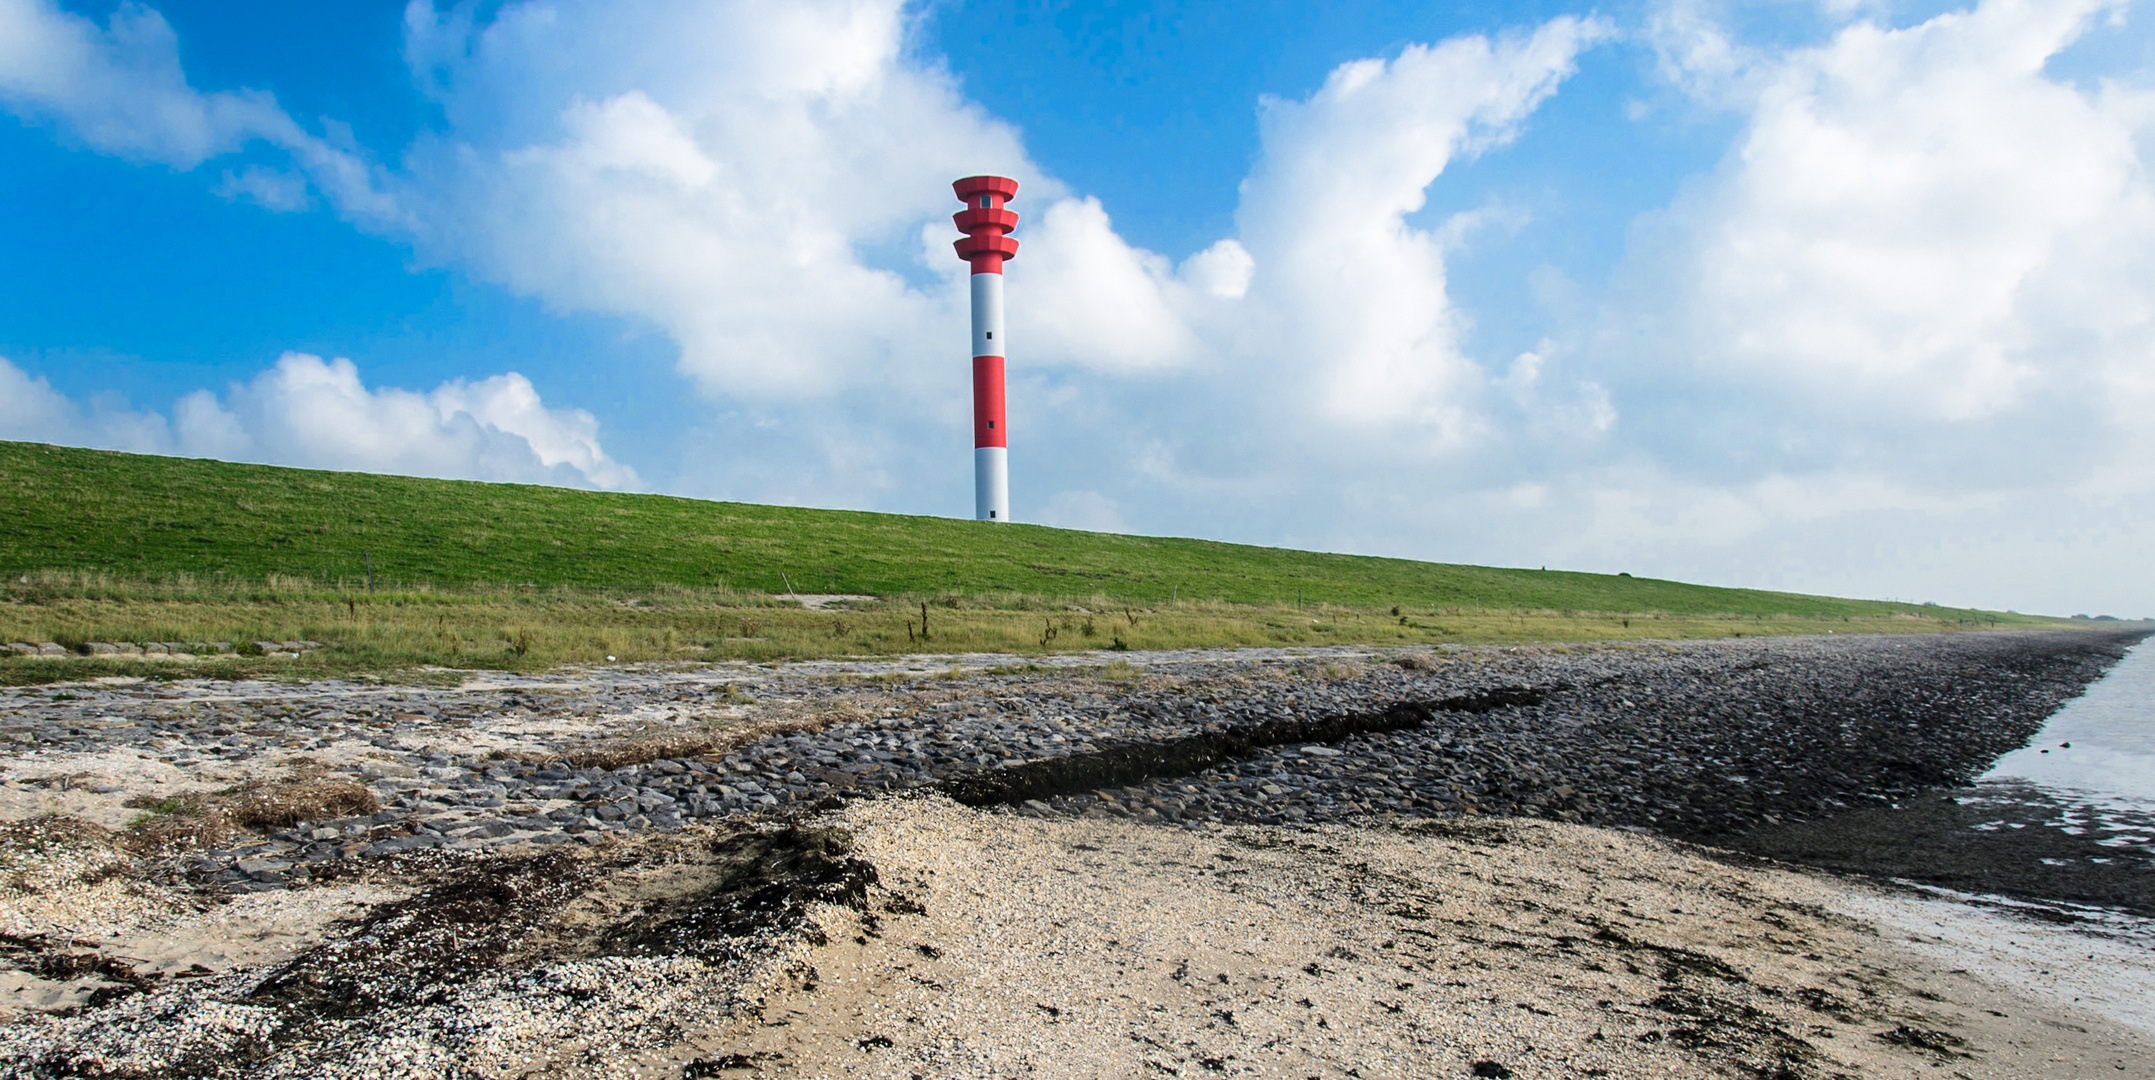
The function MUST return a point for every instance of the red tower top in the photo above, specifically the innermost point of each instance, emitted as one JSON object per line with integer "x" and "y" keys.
{"x": 985, "y": 223}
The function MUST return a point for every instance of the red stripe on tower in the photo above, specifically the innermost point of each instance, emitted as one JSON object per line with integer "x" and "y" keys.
{"x": 987, "y": 246}
{"x": 988, "y": 429}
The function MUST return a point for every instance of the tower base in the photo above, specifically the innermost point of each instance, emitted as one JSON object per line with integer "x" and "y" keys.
{"x": 991, "y": 483}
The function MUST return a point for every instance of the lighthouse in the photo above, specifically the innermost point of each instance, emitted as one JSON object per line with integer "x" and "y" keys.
{"x": 987, "y": 245}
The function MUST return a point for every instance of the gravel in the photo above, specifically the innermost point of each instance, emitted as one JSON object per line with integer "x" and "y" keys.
{"x": 1702, "y": 742}
{"x": 509, "y": 911}
{"x": 1699, "y": 740}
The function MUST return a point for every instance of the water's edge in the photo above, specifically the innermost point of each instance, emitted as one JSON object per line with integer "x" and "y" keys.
{"x": 2047, "y": 828}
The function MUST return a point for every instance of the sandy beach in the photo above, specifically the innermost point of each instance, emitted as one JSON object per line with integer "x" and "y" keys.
{"x": 1294, "y": 866}
{"x": 916, "y": 937}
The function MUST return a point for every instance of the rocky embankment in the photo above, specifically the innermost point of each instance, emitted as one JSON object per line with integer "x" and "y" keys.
{"x": 679, "y": 873}
{"x": 1699, "y": 740}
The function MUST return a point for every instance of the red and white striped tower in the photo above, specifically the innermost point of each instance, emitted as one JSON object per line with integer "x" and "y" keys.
{"x": 987, "y": 244}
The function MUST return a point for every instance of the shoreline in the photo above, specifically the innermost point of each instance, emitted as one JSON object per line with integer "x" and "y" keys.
{"x": 626, "y": 858}
{"x": 1789, "y": 748}
{"x": 2050, "y": 850}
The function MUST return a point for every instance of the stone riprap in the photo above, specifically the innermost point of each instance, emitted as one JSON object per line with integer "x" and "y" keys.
{"x": 1693, "y": 739}
{"x": 1699, "y": 742}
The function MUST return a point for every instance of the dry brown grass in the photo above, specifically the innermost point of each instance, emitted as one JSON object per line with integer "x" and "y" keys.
{"x": 207, "y": 819}
{"x": 644, "y": 749}
{"x": 50, "y": 831}
{"x": 659, "y": 745}
{"x": 512, "y": 628}
{"x": 281, "y": 806}
{"x": 182, "y": 823}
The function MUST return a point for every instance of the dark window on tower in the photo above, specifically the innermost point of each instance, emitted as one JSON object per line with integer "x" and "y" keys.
{"x": 984, "y": 202}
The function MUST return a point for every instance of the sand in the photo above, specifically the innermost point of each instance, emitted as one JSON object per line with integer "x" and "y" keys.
{"x": 64, "y": 884}
{"x": 999, "y": 945}
{"x": 1541, "y": 949}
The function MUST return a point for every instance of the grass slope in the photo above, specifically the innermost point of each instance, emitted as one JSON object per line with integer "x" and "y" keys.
{"x": 106, "y": 547}
{"x": 143, "y": 517}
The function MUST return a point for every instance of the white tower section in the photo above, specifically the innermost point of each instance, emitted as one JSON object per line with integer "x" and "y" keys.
{"x": 991, "y": 452}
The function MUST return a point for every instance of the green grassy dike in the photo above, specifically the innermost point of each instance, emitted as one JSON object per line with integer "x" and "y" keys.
{"x": 96, "y": 545}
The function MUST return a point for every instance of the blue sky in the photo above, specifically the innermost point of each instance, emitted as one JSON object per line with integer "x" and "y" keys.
{"x": 1845, "y": 297}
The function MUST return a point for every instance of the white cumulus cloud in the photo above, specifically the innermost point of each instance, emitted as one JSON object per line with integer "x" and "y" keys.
{"x": 1921, "y": 216}
{"x": 307, "y": 412}
{"x": 1358, "y": 295}
{"x": 32, "y": 411}
{"x": 1089, "y": 298}
{"x": 311, "y": 412}
{"x": 120, "y": 89}
{"x": 770, "y": 187}
{"x": 1902, "y": 338}
{"x": 723, "y": 171}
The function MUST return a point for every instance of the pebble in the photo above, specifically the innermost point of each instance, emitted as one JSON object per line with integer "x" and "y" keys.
{"x": 1695, "y": 739}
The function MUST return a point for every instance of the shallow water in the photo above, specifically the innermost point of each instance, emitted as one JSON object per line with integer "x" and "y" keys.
{"x": 2070, "y": 832}
{"x": 2101, "y": 746}
{"x": 2095, "y": 761}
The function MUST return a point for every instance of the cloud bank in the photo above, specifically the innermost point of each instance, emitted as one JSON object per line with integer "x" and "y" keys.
{"x": 1904, "y": 324}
